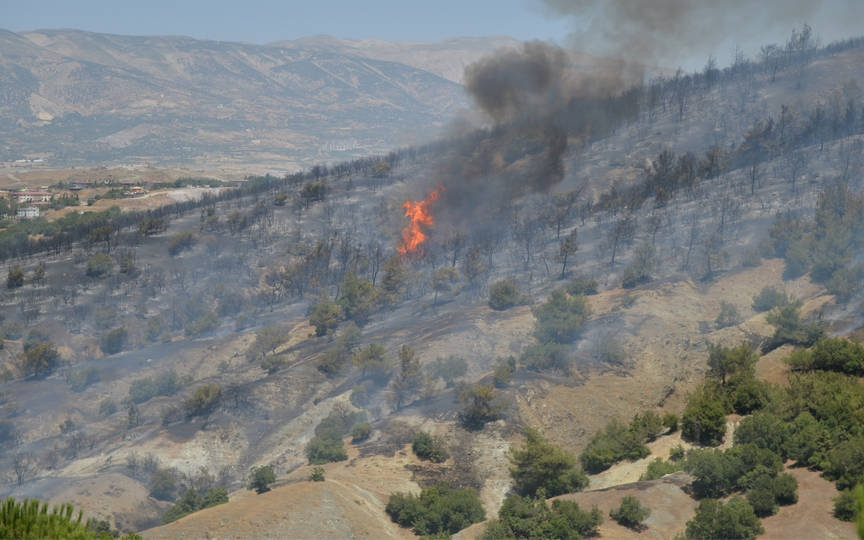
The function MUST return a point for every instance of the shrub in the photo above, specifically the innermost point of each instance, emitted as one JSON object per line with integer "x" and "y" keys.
{"x": 107, "y": 407}
{"x": 559, "y": 319}
{"x": 728, "y": 315}
{"x": 425, "y": 446}
{"x": 15, "y": 278}
{"x": 670, "y": 422}
{"x": 844, "y": 506}
{"x": 630, "y": 513}
{"x": 163, "y": 485}
{"x": 438, "y": 509}
{"x": 480, "y": 404}
{"x": 769, "y": 298}
{"x": 785, "y": 488}
{"x": 361, "y": 432}
{"x": 540, "y": 465}
{"x": 526, "y": 517}
{"x": 327, "y": 445}
{"x": 614, "y": 443}
{"x": 582, "y": 286}
{"x": 194, "y": 500}
{"x": 790, "y": 328}
{"x": 325, "y": 318}
{"x": 260, "y": 478}
{"x": 166, "y": 384}
{"x": 657, "y": 468}
{"x": 504, "y": 295}
{"x": 546, "y": 357}
{"x": 317, "y": 474}
{"x": 180, "y": 242}
{"x": 704, "y": 418}
{"x": 204, "y": 401}
{"x": 113, "y": 341}
{"x": 40, "y": 357}
{"x": 504, "y": 372}
{"x": 448, "y": 369}
{"x": 79, "y": 379}
{"x": 99, "y": 265}
{"x": 734, "y": 519}
{"x": 356, "y": 299}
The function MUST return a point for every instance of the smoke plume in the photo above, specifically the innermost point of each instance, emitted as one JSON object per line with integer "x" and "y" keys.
{"x": 664, "y": 32}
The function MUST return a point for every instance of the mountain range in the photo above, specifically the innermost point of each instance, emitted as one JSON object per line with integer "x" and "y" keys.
{"x": 75, "y": 98}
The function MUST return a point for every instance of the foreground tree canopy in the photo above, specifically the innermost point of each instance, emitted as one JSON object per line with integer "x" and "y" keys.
{"x": 31, "y": 518}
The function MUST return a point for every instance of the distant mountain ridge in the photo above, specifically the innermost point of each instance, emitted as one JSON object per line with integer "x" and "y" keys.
{"x": 74, "y": 98}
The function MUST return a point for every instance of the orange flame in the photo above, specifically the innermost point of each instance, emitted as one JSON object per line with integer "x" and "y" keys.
{"x": 419, "y": 217}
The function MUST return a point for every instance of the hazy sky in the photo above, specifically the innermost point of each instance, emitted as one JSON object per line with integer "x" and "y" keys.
{"x": 263, "y": 21}
{"x": 579, "y": 23}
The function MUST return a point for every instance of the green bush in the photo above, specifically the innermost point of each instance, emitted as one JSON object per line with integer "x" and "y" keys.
{"x": 704, "y": 418}
{"x": 166, "y": 384}
{"x": 325, "y": 318}
{"x": 107, "y": 407}
{"x": 321, "y": 450}
{"x": 630, "y": 513}
{"x": 526, "y": 517}
{"x": 657, "y": 468}
{"x": 361, "y": 432}
{"x": 205, "y": 400}
{"x": 670, "y": 422}
{"x": 714, "y": 519}
{"x": 356, "y": 299}
{"x": 15, "y": 278}
{"x": 448, "y": 369}
{"x": 260, "y": 478}
{"x": 728, "y": 316}
{"x": 317, "y": 474}
{"x": 79, "y": 379}
{"x": 837, "y": 354}
{"x": 541, "y": 466}
{"x": 113, "y": 341}
{"x": 99, "y": 265}
{"x": 327, "y": 445}
{"x": 790, "y": 328}
{"x": 615, "y": 442}
{"x": 163, "y": 485}
{"x": 181, "y": 242}
{"x": 437, "y": 510}
{"x": 769, "y": 298}
{"x": 560, "y": 318}
{"x": 546, "y": 357}
{"x": 481, "y": 404}
{"x": 504, "y": 295}
{"x": 845, "y": 508}
{"x": 582, "y": 286}
{"x": 194, "y": 500}
{"x": 503, "y": 372}
{"x": 425, "y": 446}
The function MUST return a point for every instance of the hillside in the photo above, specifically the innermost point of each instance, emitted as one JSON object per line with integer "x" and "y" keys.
{"x": 79, "y": 98}
{"x": 218, "y": 332}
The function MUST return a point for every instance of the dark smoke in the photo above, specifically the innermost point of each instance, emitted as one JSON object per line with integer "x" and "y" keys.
{"x": 533, "y": 83}
{"x": 513, "y": 80}
{"x": 541, "y": 99}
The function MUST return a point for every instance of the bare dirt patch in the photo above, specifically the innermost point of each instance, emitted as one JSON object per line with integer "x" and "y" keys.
{"x": 812, "y": 516}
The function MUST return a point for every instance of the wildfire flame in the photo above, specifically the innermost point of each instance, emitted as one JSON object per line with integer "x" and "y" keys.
{"x": 419, "y": 217}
